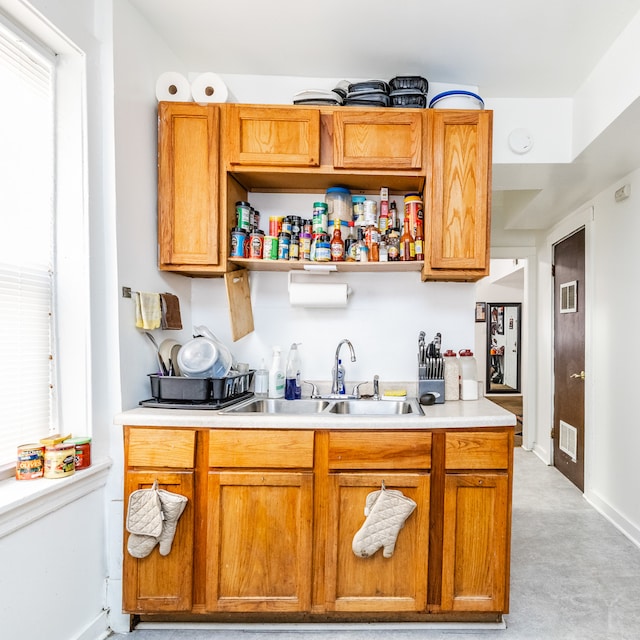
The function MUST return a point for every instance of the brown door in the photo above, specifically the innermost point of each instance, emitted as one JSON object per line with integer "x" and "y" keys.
{"x": 569, "y": 314}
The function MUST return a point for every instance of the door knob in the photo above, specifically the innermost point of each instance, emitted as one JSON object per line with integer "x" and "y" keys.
{"x": 578, "y": 375}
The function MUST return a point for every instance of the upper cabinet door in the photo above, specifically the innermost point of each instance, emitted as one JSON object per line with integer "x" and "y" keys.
{"x": 188, "y": 177}
{"x": 457, "y": 226}
{"x": 276, "y": 136}
{"x": 378, "y": 139}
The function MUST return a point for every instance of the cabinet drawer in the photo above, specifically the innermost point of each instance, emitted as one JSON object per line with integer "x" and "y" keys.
{"x": 370, "y": 140}
{"x": 478, "y": 450}
{"x": 274, "y": 136}
{"x": 244, "y": 448}
{"x": 170, "y": 448}
{"x": 379, "y": 450}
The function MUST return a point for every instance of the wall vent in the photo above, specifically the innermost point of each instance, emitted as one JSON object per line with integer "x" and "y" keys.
{"x": 569, "y": 297}
{"x": 569, "y": 440}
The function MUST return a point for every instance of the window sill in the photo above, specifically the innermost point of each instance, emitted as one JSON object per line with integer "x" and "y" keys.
{"x": 25, "y": 501}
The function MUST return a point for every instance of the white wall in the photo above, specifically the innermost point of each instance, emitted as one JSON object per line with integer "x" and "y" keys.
{"x": 54, "y": 562}
{"x": 612, "y": 437}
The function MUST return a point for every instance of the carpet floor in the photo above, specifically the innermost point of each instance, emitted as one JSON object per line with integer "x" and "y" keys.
{"x": 574, "y": 576}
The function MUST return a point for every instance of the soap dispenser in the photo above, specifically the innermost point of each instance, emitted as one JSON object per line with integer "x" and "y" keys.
{"x": 293, "y": 379}
{"x": 276, "y": 375}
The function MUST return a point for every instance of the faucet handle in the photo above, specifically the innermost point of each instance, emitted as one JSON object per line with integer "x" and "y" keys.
{"x": 356, "y": 389}
{"x": 314, "y": 389}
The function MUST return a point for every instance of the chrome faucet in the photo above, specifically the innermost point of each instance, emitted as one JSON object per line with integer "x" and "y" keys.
{"x": 334, "y": 379}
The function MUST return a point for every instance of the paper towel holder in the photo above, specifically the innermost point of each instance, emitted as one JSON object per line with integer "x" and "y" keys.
{"x": 317, "y": 292}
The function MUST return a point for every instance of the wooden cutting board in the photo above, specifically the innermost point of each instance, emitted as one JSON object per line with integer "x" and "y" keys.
{"x": 239, "y": 297}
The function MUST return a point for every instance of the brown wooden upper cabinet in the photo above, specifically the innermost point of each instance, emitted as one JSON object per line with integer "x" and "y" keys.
{"x": 457, "y": 222}
{"x": 276, "y": 136}
{"x": 189, "y": 225}
{"x": 371, "y": 139}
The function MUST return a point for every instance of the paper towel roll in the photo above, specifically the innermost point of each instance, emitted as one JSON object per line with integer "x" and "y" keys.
{"x": 173, "y": 87}
{"x": 318, "y": 295}
{"x": 209, "y": 87}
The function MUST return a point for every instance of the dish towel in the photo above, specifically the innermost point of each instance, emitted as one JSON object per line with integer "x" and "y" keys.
{"x": 148, "y": 310}
{"x": 170, "y": 305}
{"x": 386, "y": 511}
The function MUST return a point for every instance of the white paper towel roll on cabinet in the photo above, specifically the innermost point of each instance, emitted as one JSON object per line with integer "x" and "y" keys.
{"x": 209, "y": 87}
{"x": 173, "y": 87}
{"x": 318, "y": 295}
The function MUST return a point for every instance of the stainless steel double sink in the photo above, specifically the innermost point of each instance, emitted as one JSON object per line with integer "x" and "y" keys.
{"x": 353, "y": 407}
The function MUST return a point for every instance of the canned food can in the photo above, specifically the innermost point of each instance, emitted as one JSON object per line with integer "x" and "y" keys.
{"x": 256, "y": 242}
{"x": 305, "y": 246}
{"x": 413, "y": 209}
{"x": 30, "y": 462}
{"x": 319, "y": 223}
{"x": 275, "y": 225}
{"x": 370, "y": 209}
{"x": 238, "y": 237}
{"x": 270, "y": 248}
{"x": 294, "y": 247}
{"x": 243, "y": 215}
{"x": 59, "y": 460}
{"x": 83, "y": 451}
{"x": 322, "y": 248}
{"x": 284, "y": 242}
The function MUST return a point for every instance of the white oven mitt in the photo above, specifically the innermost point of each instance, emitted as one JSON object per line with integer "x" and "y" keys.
{"x": 386, "y": 512}
{"x": 141, "y": 542}
{"x": 144, "y": 513}
{"x": 173, "y": 505}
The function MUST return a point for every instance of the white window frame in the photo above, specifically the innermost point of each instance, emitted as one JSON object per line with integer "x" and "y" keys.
{"x": 71, "y": 341}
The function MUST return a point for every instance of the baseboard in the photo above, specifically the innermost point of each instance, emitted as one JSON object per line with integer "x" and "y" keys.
{"x": 623, "y": 525}
{"x": 318, "y": 627}
{"x": 96, "y": 630}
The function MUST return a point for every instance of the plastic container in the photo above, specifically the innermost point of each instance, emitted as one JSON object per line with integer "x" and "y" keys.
{"x": 414, "y": 83}
{"x": 451, "y": 376}
{"x": 339, "y": 204}
{"x": 83, "y": 451}
{"x": 457, "y": 100}
{"x": 276, "y": 375}
{"x": 468, "y": 375}
{"x": 404, "y": 98}
{"x": 293, "y": 377}
{"x": 261, "y": 382}
{"x": 340, "y": 377}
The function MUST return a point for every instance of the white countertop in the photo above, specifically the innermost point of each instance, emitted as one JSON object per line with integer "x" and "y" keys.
{"x": 450, "y": 415}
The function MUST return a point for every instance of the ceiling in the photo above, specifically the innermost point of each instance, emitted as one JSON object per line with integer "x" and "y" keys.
{"x": 507, "y": 48}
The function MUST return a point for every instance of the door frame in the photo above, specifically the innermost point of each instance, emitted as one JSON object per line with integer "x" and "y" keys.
{"x": 528, "y": 338}
{"x": 544, "y": 444}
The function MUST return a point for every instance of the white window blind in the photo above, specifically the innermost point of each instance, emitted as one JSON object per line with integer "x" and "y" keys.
{"x": 27, "y": 179}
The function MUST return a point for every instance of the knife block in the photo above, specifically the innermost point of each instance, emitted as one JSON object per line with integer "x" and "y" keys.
{"x": 435, "y": 386}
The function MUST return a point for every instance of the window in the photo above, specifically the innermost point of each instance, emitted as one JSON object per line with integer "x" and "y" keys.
{"x": 27, "y": 258}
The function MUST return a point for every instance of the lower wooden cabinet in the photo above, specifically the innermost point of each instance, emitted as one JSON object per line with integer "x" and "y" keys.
{"x": 259, "y": 541}
{"x": 161, "y": 583}
{"x": 474, "y": 554}
{"x": 271, "y": 515}
{"x": 376, "y": 583}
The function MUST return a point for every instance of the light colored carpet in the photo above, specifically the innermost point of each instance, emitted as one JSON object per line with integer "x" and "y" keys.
{"x": 573, "y": 575}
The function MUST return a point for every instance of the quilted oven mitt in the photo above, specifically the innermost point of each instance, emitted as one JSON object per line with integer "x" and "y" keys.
{"x": 172, "y": 505}
{"x": 144, "y": 514}
{"x": 386, "y": 511}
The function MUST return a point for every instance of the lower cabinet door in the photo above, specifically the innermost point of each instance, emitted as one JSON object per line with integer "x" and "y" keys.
{"x": 475, "y": 562}
{"x": 259, "y": 541}
{"x": 376, "y": 583}
{"x": 158, "y": 583}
